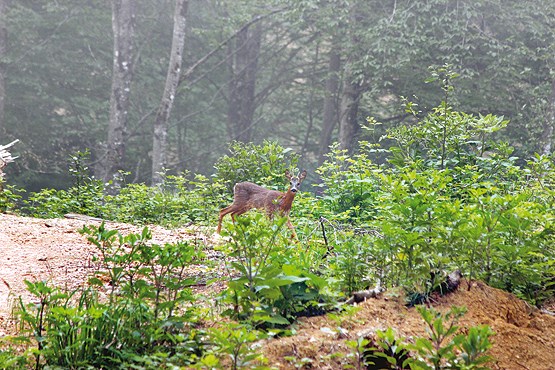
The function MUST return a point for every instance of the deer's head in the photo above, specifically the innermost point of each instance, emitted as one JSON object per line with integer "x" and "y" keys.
{"x": 295, "y": 181}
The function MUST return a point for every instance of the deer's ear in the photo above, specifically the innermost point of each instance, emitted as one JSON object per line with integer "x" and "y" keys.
{"x": 288, "y": 174}
{"x": 302, "y": 175}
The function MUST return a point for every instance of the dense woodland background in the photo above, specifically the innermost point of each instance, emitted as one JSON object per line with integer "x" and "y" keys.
{"x": 147, "y": 85}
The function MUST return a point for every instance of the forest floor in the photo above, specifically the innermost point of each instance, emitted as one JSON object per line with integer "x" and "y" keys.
{"x": 53, "y": 250}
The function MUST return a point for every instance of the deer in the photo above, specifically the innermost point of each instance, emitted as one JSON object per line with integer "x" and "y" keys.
{"x": 247, "y": 196}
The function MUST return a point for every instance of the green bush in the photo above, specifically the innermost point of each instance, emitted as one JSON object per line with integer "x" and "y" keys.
{"x": 350, "y": 185}
{"x": 263, "y": 164}
{"x": 448, "y": 197}
{"x": 147, "y": 318}
{"x": 175, "y": 202}
{"x": 9, "y": 197}
{"x": 271, "y": 287}
{"x": 85, "y": 196}
{"x": 443, "y": 348}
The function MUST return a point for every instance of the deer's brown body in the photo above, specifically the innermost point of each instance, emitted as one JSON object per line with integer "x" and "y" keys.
{"x": 247, "y": 195}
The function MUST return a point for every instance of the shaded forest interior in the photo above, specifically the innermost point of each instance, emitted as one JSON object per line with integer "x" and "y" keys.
{"x": 169, "y": 84}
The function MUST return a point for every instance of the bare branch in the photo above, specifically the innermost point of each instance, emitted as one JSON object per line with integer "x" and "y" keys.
{"x": 207, "y": 56}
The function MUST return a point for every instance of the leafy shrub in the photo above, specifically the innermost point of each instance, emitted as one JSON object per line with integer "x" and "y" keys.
{"x": 262, "y": 164}
{"x": 385, "y": 351}
{"x": 9, "y": 197}
{"x": 443, "y": 348}
{"x": 270, "y": 288}
{"x": 86, "y": 196}
{"x": 9, "y": 359}
{"x": 176, "y": 201}
{"x": 233, "y": 348}
{"x": 147, "y": 317}
{"x": 448, "y": 197}
{"x": 350, "y": 185}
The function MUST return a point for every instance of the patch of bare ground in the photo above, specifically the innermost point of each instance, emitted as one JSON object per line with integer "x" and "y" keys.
{"x": 524, "y": 339}
{"x": 54, "y": 250}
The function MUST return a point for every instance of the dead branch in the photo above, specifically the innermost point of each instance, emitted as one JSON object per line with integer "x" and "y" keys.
{"x": 5, "y": 156}
{"x": 363, "y": 295}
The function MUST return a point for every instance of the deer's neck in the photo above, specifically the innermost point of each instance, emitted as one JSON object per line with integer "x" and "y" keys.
{"x": 287, "y": 201}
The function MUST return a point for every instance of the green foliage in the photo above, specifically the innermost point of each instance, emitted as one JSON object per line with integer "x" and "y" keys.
{"x": 358, "y": 346}
{"x": 389, "y": 351}
{"x": 350, "y": 185}
{"x": 442, "y": 348}
{"x": 85, "y": 196}
{"x": 9, "y": 359}
{"x": 446, "y": 138}
{"x": 235, "y": 344}
{"x": 263, "y": 164}
{"x": 9, "y": 196}
{"x": 449, "y": 197}
{"x": 347, "y": 259}
{"x": 176, "y": 201}
{"x": 146, "y": 320}
{"x": 271, "y": 287}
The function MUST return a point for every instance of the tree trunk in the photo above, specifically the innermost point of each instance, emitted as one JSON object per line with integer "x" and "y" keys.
{"x": 330, "y": 116}
{"x": 159, "y": 144}
{"x": 348, "y": 109}
{"x": 549, "y": 122}
{"x": 243, "y": 66}
{"x": 123, "y": 26}
{"x": 3, "y": 40}
{"x": 351, "y": 92}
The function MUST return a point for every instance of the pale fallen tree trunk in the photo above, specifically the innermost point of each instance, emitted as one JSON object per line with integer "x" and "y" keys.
{"x": 5, "y": 158}
{"x": 5, "y": 155}
{"x": 448, "y": 284}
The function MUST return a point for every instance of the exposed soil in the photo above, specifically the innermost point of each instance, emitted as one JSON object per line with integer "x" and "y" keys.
{"x": 54, "y": 250}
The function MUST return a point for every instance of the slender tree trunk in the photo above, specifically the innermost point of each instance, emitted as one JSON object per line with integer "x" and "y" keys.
{"x": 549, "y": 122}
{"x": 310, "y": 108}
{"x": 159, "y": 144}
{"x": 3, "y": 40}
{"x": 243, "y": 66}
{"x": 351, "y": 92}
{"x": 348, "y": 110}
{"x": 330, "y": 116}
{"x": 123, "y": 26}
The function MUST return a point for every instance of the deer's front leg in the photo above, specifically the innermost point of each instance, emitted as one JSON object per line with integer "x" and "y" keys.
{"x": 290, "y": 226}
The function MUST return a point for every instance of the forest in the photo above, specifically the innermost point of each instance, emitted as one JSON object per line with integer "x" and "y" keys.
{"x": 303, "y": 73}
{"x": 425, "y": 129}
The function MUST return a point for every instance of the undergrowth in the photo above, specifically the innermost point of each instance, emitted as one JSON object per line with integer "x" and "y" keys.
{"x": 447, "y": 197}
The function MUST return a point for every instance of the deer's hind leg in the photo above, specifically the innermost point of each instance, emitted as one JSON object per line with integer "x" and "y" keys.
{"x": 223, "y": 212}
{"x": 227, "y": 210}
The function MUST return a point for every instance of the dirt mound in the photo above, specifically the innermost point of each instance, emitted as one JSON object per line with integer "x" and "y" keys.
{"x": 524, "y": 339}
{"x": 54, "y": 250}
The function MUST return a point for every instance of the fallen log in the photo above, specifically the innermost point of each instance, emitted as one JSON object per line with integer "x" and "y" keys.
{"x": 5, "y": 158}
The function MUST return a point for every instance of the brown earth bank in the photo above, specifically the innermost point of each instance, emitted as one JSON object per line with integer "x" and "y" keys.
{"x": 37, "y": 249}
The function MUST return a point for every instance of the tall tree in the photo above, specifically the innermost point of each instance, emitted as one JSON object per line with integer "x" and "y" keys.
{"x": 159, "y": 145}
{"x": 243, "y": 67}
{"x": 349, "y": 125}
{"x": 123, "y": 27}
{"x": 549, "y": 122}
{"x": 352, "y": 88}
{"x": 330, "y": 115}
